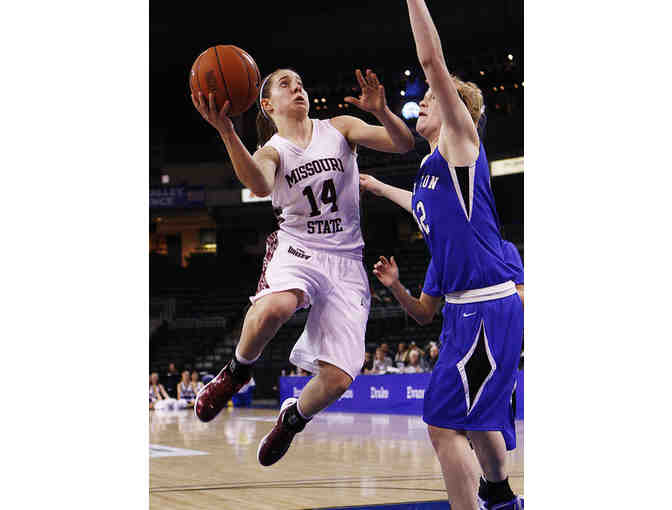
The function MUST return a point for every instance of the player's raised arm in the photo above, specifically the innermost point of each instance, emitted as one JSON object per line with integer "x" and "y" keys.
{"x": 393, "y": 136}
{"x": 256, "y": 172}
{"x": 457, "y": 123}
{"x": 403, "y": 198}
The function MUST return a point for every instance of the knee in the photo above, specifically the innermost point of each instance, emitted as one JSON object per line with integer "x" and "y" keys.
{"x": 276, "y": 314}
{"x": 342, "y": 384}
{"x": 337, "y": 380}
{"x": 434, "y": 436}
{"x": 440, "y": 437}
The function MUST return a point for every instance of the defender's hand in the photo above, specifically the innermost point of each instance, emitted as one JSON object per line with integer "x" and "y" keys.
{"x": 386, "y": 271}
{"x": 372, "y": 99}
{"x": 370, "y": 184}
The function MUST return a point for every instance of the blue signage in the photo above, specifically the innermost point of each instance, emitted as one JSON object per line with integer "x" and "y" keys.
{"x": 176, "y": 196}
{"x": 387, "y": 394}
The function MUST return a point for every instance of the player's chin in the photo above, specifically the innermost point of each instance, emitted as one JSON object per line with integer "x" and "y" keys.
{"x": 301, "y": 106}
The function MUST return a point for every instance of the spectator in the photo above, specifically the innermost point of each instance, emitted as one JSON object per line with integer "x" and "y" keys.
{"x": 380, "y": 363}
{"x": 185, "y": 392}
{"x": 171, "y": 379}
{"x": 299, "y": 372}
{"x": 386, "y": 351}
{"x": 196, "y": 384}
{"x": 433, "y": 356}
{"x": 415, "y": 346}
{"x": 367, "y": 368}
{"x": 158, "y": 395}
{"x": 401, "y": 358}
{"x": 414, "y": 366}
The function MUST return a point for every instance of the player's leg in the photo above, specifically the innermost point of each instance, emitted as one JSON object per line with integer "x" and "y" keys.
{"x": 490, "y": 448}
{"x": 458, "y": 465}
{"x": 264, "y": 319}
{"x": 261, "y": 323}
{"x": 331, "y": 347}
{"x": 323, "y": 390}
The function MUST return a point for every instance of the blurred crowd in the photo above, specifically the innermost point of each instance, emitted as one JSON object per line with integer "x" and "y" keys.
{"x": 408, "y": 359}
{"x": 178, "y": 390}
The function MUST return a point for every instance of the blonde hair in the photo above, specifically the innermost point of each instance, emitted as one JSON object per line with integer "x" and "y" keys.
{"x": 471, "y": 96}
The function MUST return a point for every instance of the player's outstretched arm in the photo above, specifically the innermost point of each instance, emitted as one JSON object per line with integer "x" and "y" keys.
{"x": 422, "y": 310}
{"x": 401, "y": 197}
{"x": 258, "y": 172}
{"x": 393, "y": 136}
{"x": 457, "y": 129}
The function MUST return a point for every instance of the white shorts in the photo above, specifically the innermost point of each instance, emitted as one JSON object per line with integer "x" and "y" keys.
{"x": 338, "y": 290}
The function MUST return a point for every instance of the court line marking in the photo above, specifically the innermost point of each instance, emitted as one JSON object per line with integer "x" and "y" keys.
{"x": 157, "y": 451}
{"x": 307, "y": 486}
{"x": 391, "y": 478}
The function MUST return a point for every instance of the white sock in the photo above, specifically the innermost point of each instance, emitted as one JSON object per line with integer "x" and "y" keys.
{"x": 298, "y": 410}
{"x": 244, "y": 361}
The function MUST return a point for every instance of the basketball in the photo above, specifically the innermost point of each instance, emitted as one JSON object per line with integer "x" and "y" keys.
{"x": 229, "y": 73}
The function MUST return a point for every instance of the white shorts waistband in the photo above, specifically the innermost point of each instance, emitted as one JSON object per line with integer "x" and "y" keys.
{"x": 485, "y": 294}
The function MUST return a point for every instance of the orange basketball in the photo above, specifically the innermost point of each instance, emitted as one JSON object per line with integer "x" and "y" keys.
{"x": 229, "y": 73}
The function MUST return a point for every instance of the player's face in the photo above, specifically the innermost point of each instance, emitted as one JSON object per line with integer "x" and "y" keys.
{"x": 429, "y": 120}
{"x": 288, "y": 96}
{"x": 194, "y": 377}
{"x": 154, "y": 378}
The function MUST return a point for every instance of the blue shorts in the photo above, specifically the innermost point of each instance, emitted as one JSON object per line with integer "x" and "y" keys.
{"x": 472, "y": 383}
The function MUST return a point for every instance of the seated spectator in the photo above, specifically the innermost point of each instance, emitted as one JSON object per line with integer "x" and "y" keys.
{"x": 386, "y": 351}
{"x": 171, "y": 379}
{"x": 196, "y": 384}
{"x": 401, "y": 358}
{"x": 299, "y": 372}
{"x": 185, "y": 392}
{"x": 380, "y": 363}
{"x": 367, "y": 368}
{"x": 158, "y": 395}
{"x": 414, "y": 366}
{"x": 415, "y": 346}
{"x": 433, "y": 356}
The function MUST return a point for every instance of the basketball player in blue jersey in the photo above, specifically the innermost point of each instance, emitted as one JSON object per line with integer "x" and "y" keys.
{"x": 470, "y": 390}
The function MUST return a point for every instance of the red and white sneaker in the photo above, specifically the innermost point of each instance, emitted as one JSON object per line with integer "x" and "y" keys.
{"x": 275, "y": 444}
{"x": 215, "y": 395}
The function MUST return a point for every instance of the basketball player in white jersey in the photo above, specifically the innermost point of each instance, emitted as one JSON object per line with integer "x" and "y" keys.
{"x": 309, "y": 168}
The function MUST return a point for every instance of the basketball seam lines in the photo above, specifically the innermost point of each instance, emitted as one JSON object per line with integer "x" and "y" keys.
{"x": 247, "y": 70}
{"x": 219, "y": 66}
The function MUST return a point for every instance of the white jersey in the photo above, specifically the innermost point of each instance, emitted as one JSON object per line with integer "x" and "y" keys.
{"x": 316, "y": 193}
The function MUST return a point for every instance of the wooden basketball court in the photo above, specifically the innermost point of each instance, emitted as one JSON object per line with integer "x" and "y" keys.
{"x": 340, "y": 459}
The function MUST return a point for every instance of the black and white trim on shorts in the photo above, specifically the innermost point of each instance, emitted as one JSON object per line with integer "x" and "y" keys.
{"x": 471, "y": 368}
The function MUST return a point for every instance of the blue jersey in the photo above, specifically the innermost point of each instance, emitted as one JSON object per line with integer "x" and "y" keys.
{"x": 512, "y": 258}
{"x": 455, "y": 210}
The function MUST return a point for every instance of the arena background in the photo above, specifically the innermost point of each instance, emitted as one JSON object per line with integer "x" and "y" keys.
{"x": 207, "y": 244}
{"x": 76, "y": 210}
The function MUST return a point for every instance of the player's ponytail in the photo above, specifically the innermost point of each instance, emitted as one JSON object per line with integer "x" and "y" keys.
{"x": 266, "y": 128}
